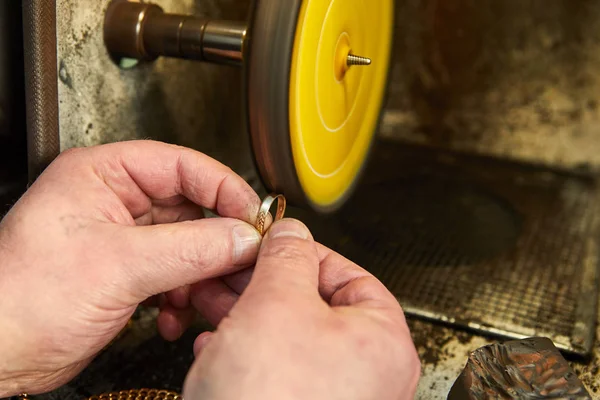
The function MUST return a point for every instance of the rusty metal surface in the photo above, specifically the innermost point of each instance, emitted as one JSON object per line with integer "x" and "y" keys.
{"x": 444, "y": 353}
{"x": 512, "y": 78}
{"x": 530, "y": 368}
{"x": 184, "y": 102}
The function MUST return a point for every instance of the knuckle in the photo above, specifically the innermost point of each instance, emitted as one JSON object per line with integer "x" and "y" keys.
{"x": 69, "y": 153}
{"x": 185, "y": 248}
{"x": 68, "y": 157}
{"x": 191, "y": 249}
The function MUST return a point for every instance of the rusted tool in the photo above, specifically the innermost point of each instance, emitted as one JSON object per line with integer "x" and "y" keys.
{"x": 522, "y": 369}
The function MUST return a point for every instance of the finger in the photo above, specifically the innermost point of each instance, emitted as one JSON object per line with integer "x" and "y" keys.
{"x": 287, "y": 267}
{"x": 185, "y": 210}
{"x": 213, "y": 299}
{"x": 180, "y": 297}
{"x": 201, "y": 342}
{"x": 172, "y": 322}
{"x": 343, "y": 283}
{"x": 159, "y": 258}
{"x": 147, "y": 170}
{"x": 175, "y": 209}
{"x": 239, "y": 281}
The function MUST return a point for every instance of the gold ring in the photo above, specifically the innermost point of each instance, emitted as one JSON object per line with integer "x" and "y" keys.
{"x": 263, "y": 212}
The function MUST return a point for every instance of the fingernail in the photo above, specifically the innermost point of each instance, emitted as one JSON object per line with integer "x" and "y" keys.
{"x": 288, "y": 228}
{"x": 246, "y": 241}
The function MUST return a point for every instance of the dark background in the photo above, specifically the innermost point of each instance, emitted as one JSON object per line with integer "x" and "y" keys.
{"x": 13, "y": 145}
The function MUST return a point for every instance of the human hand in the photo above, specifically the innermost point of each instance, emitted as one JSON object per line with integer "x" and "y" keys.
{"x": 80, "y": 250}
{"x": 309, "y": 325}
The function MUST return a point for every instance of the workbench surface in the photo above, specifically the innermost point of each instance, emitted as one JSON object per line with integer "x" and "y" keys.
{"x": 140, "y": 358}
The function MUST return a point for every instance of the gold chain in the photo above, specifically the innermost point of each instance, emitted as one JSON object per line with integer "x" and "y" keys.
{"x": 141, "y": 394}
{"x": 134, "y": 394}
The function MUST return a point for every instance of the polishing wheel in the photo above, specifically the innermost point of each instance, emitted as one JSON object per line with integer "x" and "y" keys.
{"x": 315, "y": 80}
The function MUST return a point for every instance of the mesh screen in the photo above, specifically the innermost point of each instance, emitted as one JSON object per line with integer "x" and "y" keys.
{"x": 500, "y": 248}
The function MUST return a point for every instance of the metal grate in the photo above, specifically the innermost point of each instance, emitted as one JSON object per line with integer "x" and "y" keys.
{"x": 500, "y": 248}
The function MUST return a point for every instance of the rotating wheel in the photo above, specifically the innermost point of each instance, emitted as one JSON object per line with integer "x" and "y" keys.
{"x": 315, "y": 77}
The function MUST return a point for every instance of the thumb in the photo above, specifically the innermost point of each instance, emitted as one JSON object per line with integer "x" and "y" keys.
{"x": 287, "y": 267}
{"x": 158, "y": 258}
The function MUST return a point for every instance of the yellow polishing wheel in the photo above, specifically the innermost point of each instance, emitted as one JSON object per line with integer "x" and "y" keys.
{"x": 316, "y": 80}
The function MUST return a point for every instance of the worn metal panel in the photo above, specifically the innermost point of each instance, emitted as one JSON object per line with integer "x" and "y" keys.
{"x": 191, "y": 104}
{"x": 511, "y": 78}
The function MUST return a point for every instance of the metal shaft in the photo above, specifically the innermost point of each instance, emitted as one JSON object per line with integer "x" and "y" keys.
{"x": 144, "y": 31}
